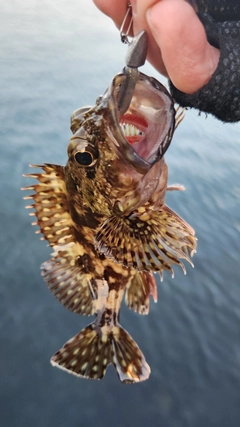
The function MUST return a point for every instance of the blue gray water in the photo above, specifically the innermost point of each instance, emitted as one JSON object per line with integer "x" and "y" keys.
{"x": 54, "y": 58}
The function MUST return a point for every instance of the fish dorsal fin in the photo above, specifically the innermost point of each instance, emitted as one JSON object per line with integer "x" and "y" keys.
{"x": 64, "y": 273}
{"x": 50, "y": 205}
{"x": 147, "y": 240}
{"x": 179, "y": 116}
{"x": 138, "y": 292}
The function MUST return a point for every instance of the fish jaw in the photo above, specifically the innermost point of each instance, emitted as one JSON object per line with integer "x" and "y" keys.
{"x": 143, "y": 133}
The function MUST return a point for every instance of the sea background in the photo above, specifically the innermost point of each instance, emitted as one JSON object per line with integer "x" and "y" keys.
{"x": 56, "y": 56}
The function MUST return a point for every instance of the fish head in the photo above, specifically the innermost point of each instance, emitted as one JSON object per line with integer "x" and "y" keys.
{"x": 116, "y": 158}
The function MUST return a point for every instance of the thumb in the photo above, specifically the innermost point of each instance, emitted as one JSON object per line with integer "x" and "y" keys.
{"x": 189, "y": 59}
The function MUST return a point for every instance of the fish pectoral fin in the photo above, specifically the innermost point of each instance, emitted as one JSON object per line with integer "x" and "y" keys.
{"x": 150, "y": 240}
{"x": 88, "y": 354}
{"x": 138, "y": 293}
{"x": 69, "y": 285}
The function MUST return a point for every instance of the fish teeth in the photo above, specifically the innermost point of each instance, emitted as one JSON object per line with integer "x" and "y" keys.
{"x": 130, "y": 129}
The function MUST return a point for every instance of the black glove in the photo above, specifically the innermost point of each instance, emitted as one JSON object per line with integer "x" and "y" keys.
{"x": 221, "y": 95}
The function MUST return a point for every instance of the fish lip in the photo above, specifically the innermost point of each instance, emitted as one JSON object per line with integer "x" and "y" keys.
{"x": 156, "y": 98}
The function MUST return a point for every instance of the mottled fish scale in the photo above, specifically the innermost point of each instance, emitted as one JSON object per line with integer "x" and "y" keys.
{"x": 105, "y": 216}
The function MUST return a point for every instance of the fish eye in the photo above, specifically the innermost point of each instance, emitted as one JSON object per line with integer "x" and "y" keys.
{"x": 86, "y": 154}
{"x": 84, "y": 159}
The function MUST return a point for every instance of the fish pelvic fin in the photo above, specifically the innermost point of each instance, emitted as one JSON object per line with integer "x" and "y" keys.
{"x": 138, "y": 292}
{"x": 147, "y": 240}
{"x": 88, "y": 354}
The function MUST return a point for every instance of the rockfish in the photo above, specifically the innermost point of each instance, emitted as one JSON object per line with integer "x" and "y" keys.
{"x": 105, "y": 216}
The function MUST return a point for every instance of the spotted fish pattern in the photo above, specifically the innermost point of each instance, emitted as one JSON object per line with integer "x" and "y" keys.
{"x": 105, "y": 217}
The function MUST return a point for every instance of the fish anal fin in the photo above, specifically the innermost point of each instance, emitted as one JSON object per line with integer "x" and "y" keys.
{"x": 147, "y": 240}
{"x": 138, "y": 293}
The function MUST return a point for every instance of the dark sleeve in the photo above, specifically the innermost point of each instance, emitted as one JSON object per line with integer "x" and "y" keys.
{"x": 221, "y": 95}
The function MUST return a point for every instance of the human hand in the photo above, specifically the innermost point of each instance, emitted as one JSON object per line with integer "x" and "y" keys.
{"x": 177, "y": 43}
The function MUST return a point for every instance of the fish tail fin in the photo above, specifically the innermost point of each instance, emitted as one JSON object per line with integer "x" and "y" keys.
{"x": 128, "y": 359}
{"x": 88, "y": 354}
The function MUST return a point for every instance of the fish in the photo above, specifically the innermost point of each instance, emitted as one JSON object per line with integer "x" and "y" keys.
{"x": 104, "y": 215}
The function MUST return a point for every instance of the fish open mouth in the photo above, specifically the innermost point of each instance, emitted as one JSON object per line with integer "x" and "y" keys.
{"x": 148, "y": 123}
{"x": 141, "y": 133}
